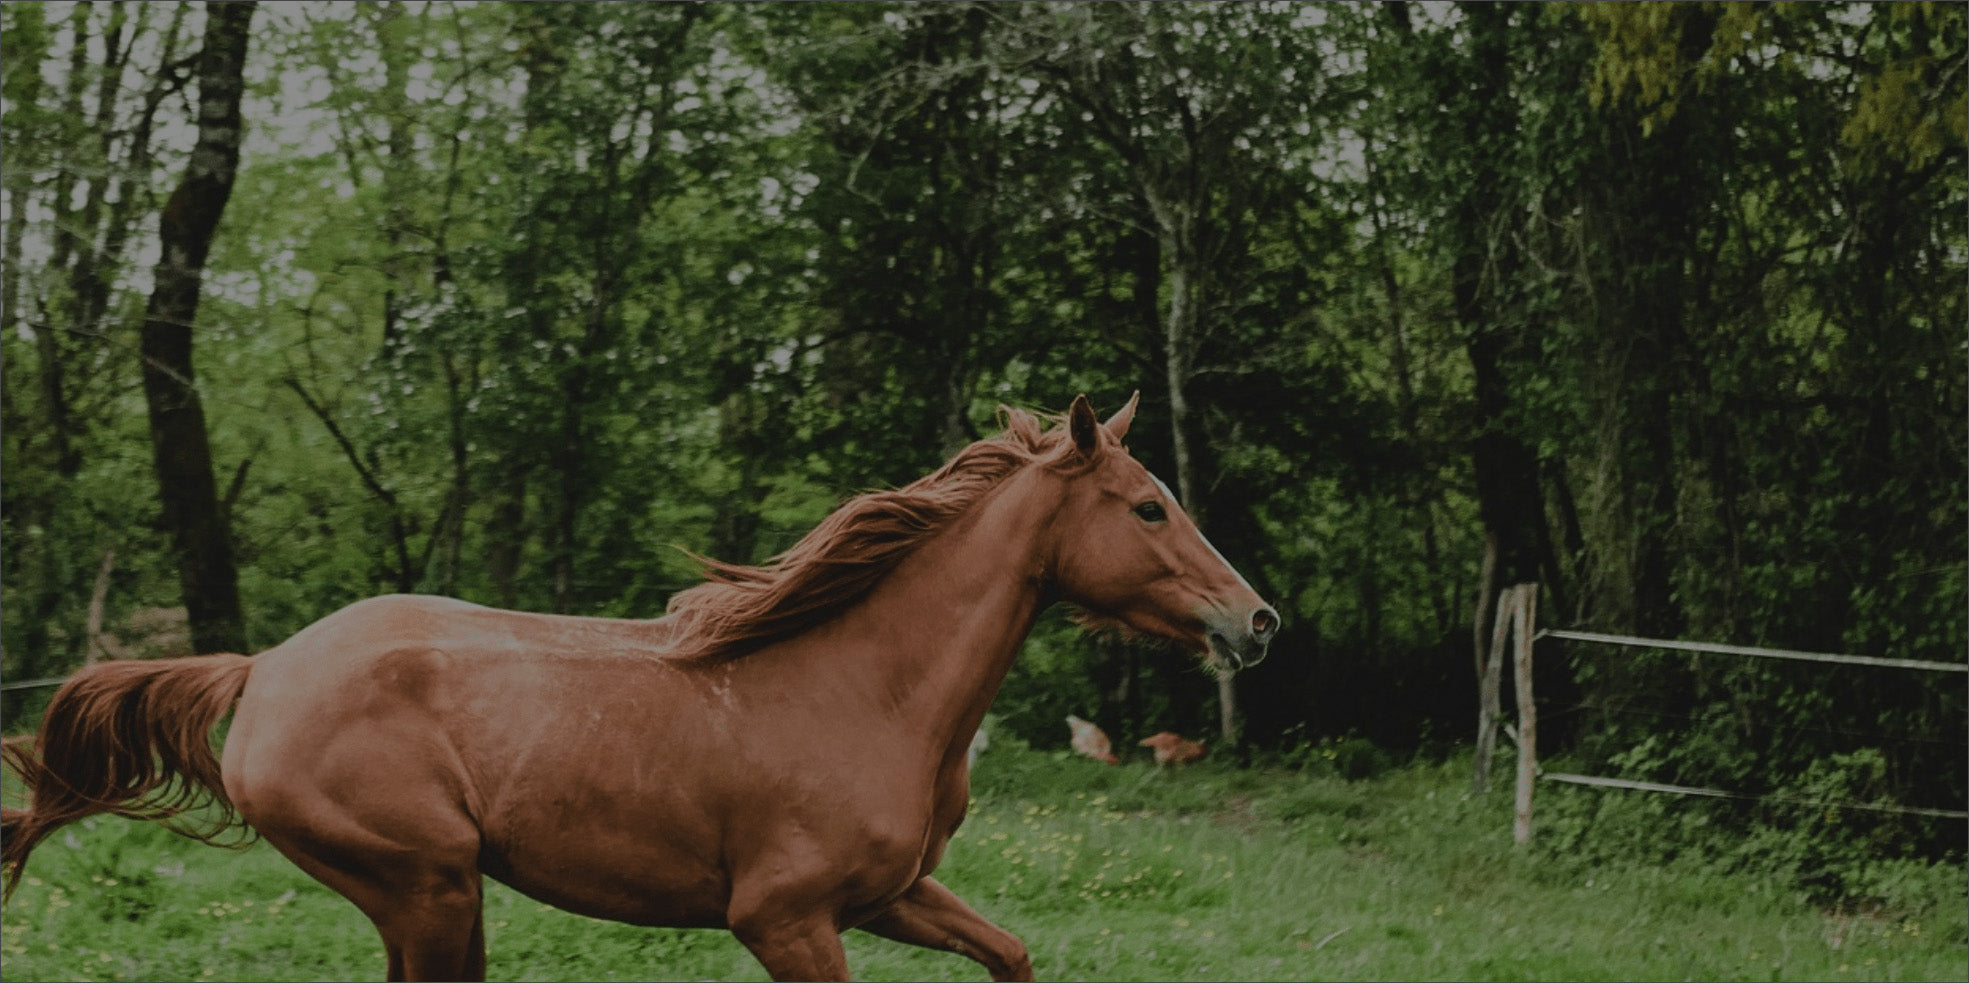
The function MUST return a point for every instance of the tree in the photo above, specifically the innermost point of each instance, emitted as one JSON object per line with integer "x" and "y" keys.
{"x": 78, "y": 170}
{"x": 180, "y": 448}
{"x": 915, "y": 173}
{"x": 1199, "y": 107}
{"x": 1664, "y": 299}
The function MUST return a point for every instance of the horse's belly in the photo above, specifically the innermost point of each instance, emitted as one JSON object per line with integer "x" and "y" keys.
{"x": 617, "y": 881}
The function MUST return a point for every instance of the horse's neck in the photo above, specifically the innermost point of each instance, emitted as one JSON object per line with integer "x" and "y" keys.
{"x": 954, "y": 614}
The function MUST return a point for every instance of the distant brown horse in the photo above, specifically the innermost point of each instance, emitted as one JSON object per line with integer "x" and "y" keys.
{"x": 781, "y": 755}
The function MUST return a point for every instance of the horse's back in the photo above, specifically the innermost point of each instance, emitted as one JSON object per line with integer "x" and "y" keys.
{"x": 393, "y": 640}
{"x": 406, "y": 685}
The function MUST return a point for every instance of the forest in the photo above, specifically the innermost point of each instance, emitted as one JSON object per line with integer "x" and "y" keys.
{"x": 1660, "y": 306}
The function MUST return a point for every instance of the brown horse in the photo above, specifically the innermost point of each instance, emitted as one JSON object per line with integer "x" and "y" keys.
{"x": 781, "y": 755}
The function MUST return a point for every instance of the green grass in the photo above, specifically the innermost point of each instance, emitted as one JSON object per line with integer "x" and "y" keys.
{"x": 1115, "y": 873}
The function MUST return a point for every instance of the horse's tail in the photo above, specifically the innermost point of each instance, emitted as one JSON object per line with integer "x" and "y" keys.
{"x": 130, "y": 738}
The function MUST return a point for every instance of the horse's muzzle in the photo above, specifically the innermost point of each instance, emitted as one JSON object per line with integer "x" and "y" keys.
{"x": 1236, "y": 646}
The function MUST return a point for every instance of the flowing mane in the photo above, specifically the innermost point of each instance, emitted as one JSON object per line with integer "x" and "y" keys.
{"x": 832, "y": 566}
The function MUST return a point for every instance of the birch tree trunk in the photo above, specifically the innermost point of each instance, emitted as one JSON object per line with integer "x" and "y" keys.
{"x": 1176, "y": 228}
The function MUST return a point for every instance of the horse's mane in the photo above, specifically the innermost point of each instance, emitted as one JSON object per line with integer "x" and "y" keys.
{"x": 739, "y": 607}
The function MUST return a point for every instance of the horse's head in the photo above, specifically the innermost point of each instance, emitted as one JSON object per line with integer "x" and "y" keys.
{"x": 1129, "y": 554}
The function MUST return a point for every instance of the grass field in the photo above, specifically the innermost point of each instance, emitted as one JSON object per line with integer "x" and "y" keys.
{"x": 1214, "y": 873}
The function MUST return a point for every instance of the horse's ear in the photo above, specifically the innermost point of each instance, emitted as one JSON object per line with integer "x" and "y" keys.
{"x": 1118, "y": 423}
{"x": 1084, "y": 426}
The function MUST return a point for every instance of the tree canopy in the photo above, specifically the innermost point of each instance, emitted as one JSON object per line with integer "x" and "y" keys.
{"x": 1659, "y": 305}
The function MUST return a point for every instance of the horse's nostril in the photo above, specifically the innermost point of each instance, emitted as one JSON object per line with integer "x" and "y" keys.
{"x": 1263, "y": 624}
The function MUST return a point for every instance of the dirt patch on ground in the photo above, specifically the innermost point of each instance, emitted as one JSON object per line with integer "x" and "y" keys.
{"x": 1238, "y": 812}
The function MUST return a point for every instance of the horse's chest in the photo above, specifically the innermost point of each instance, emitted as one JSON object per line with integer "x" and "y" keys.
{"x": 898, "y": 838}
{"x": 949, "y": 804}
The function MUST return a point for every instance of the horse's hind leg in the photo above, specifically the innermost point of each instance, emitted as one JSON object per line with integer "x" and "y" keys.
{"x": 427, "y": 960}
{"x": 392, "y": 834}
{"x": 437, "y": 943}
{"x": 429, "y": 912}
{"x": 438, "y": 935}
{"x": 474, "y": 965}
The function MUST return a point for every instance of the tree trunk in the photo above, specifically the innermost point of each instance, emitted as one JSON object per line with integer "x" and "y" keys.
{"x": 1179, "y": 331}
{"x": 1510, "y": 499}
{"x": 47, "y": 338}
{"x": 1656, "y": 211}
{"x": 92, "y": 636}
{"x": 133, "y": 186}
{"x": 180, "y": 448}
{"x": 459, "y": 364}
{"x": 569, "y": 460}
{"x": 1180, "y": 342}
{"x": 391, "y": 26}
{"x": 507, "y": 532}
{"x": 449, "y": 538}
{"x": 89, "y": 278}
{"x": 32, "y": 46}
{"x": 54, "y": 399}
{"x": 10, "y": 264}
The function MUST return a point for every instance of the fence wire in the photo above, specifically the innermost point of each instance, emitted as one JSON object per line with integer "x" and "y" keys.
{"x": 1718, "y": 648}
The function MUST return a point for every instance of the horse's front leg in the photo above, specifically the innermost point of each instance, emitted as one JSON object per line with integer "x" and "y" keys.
{"x": 930, "y": 916}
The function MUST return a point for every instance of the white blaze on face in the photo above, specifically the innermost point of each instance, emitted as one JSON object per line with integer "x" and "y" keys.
{"x": 1171, "y": 496}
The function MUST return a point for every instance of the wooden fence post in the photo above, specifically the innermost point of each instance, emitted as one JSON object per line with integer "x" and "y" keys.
{"x": 1525, "y": 617}
{"x": 92, "y": 641}
{"x": 1490, "y": 668}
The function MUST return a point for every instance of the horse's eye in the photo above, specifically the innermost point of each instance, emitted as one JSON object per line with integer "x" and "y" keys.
{"x": 1151, "y": 512}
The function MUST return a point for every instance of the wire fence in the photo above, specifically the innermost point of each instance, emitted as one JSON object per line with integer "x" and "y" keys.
{"x": 1753, "y": 651}
{"x": 1715, "y": 648}
{"x": 1717, "y": 793}
{"x": 10, "y": 687}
